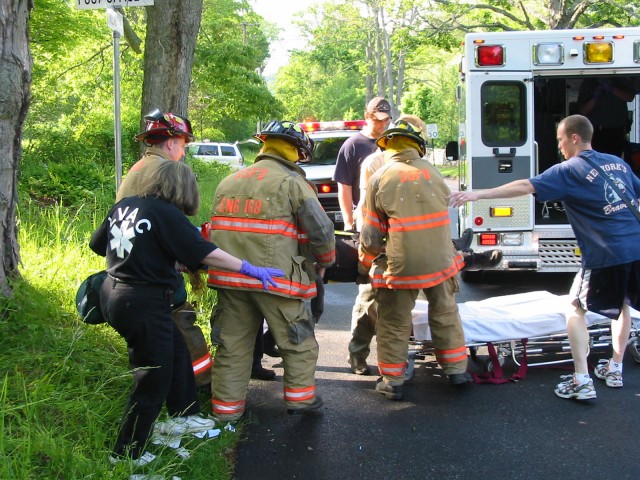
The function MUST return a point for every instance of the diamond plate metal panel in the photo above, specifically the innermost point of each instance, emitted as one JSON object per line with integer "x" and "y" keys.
{"x": 521, "y": 219}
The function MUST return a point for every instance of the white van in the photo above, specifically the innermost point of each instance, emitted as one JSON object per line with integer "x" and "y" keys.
{"x": 227, "y": 153}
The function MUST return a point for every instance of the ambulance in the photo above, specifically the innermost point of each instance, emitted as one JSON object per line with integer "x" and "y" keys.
{"x": 514, "y": 89}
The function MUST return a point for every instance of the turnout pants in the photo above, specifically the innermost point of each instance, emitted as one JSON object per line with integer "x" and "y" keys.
{"x": 185, "y": 319}
{"x": 394, "y": 329}
{"x": 363, "y": 322}
{"x": 234, "y": 323}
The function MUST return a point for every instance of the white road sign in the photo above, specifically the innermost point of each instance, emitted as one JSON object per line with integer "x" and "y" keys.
{"x": 432, "y": 130}
{"x": 115, "y": 21}
{"x": 90, "y": 4}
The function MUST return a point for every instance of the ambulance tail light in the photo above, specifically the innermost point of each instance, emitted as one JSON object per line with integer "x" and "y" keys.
{"x": 636, "y": 51}
{"x": 598, "y": 52}
{"x": 489, "y": 55}
{"x": 548, "y": 54}
{"x": 488, "y": 239}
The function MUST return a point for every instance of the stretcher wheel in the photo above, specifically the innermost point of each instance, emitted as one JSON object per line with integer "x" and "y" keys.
{"x": 634, "y": 349}
{"x": 488, "y": 364}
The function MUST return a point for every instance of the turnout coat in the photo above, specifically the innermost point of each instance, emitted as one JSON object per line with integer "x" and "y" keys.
{"x": 270, "y": 215}
{"x": 405, "y": 241}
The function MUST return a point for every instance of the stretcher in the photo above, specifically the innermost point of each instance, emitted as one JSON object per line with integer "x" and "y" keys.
{"x": 518, "y": 327}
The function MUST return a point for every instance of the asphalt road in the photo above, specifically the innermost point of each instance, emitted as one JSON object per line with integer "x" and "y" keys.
{"x": 510, "y": 431}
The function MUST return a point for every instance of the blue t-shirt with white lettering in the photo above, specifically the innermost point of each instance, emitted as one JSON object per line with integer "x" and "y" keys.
{"x": 607, "y": 232}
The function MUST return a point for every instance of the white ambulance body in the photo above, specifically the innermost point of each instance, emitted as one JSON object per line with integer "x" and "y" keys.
{"x": 515, "y": 88}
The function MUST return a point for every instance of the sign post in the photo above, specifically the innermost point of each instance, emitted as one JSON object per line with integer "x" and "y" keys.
{"x": 116, "y": 24}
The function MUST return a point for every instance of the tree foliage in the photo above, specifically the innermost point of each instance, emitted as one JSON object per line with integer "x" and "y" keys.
{"x": 407, "y": 51}
{"x": 228, "y": 94}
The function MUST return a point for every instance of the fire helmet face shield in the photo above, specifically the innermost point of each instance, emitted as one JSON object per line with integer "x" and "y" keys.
{"x": 404, "y": 128}
{"x": 290, "y": 132}
{"x": 165, "y": 124}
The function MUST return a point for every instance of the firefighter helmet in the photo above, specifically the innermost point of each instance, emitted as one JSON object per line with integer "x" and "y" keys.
{"x": 162, "y": 125}
{"x": 408, "y": 126}
{"x": 290, "y": 132}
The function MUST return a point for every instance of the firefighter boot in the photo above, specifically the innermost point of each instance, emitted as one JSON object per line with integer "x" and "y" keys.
{"x": 464, "y": 242}
{"x": 392, "y": 392}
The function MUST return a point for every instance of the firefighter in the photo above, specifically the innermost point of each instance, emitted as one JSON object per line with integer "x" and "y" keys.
{"x": 405, "y": 247}
{"x": 163, "y": 135}
{"x": 271, "y": 213}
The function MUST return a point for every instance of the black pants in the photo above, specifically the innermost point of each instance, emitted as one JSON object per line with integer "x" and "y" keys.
{"x": 158, "y": 356}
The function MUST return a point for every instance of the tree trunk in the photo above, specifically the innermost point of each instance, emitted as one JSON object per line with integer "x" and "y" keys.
{"x": 172, "y": 29}
{"x": 15, "y": 87}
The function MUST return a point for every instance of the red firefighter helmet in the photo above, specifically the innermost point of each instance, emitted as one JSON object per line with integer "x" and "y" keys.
{"x": 162, "y": 125}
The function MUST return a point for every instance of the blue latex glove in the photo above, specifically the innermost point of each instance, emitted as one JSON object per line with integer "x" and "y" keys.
{"x": 263, "y": 274}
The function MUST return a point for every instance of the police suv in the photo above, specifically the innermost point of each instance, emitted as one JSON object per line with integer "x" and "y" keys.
{"x": 327, "y": 138}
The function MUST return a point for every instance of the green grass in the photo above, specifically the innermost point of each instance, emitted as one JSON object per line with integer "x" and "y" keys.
{"x": 450, "y": 171}
{"x": 64, "y": 384}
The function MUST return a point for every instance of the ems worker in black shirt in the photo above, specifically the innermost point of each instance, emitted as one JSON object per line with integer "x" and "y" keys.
{"x": 142, "y": 237}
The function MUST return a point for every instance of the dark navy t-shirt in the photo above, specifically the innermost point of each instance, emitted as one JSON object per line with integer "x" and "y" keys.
{"x": 351, "y": 155}
{"x": 144, "y": 237}
{"x": 606, "y": 231}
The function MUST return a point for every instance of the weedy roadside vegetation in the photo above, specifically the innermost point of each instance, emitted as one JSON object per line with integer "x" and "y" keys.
{"x": 64, "y": 384}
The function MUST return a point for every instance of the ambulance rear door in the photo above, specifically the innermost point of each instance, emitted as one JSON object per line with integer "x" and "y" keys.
{"x": 501, "y": 147}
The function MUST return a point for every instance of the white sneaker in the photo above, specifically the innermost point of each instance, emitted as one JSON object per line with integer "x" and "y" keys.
{"x": 190, "y": 424}
{"x": 145, "y": 459}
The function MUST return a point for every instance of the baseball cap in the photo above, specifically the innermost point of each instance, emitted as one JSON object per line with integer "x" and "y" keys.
{"x": 380, "y": 108}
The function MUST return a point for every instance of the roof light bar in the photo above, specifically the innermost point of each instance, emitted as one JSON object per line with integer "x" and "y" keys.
{"x": 337, "y": 125}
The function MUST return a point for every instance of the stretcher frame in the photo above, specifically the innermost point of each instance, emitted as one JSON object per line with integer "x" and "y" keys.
{"x": 521, "y": 351}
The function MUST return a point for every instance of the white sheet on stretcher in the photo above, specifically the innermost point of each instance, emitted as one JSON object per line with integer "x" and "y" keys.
{"x": 508, "y": 317}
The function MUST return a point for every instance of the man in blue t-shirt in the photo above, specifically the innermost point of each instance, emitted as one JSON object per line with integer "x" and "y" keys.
{"x": 609, "y": 278}
{"x": 347, "y": 175}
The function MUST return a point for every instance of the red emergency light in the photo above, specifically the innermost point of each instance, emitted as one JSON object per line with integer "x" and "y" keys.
{"x": 489, "y": 55}
{"x": 337, "y": 125}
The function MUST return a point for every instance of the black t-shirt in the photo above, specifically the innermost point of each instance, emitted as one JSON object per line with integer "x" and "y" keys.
{"x": 353, "y": 151}
{"x": 144, "y": 237}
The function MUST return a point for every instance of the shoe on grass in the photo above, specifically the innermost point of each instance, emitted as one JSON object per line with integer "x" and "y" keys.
{"x": 570, "y": 389}
{"x": 189, "y": 424}
{"x": 144, "y": 459}
{"x": 612, "y": 379}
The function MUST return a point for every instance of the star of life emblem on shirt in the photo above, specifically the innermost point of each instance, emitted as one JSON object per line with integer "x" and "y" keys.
{"x": 121, "y": 241}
